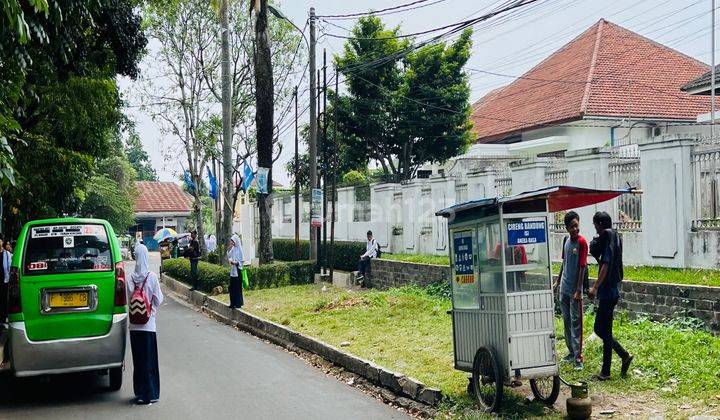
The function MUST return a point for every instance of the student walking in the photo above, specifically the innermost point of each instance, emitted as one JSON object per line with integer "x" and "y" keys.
{"x": 572, "y": 274}
{"x": 145, "y": 299}
{"x": 607, "y": 249}
{"x": 235, "y": 258}
{"x": 193, "y": 254}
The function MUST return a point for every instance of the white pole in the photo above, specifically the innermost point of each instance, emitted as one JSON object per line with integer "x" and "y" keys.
{"x": 712, "y": 74}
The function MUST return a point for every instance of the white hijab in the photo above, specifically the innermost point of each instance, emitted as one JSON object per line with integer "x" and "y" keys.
{"x": 236, "y": 253}
{"x": 142, "y": 267}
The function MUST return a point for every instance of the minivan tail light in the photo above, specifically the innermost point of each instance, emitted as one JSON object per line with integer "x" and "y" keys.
{"x": 120, "y": 290}
{"x": 14, "y": 303}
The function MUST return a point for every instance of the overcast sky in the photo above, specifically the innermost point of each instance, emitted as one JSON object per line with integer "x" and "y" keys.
{"x": 508, "y": 47}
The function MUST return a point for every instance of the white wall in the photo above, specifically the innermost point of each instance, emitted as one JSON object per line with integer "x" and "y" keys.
{"x": 666, "y": 238}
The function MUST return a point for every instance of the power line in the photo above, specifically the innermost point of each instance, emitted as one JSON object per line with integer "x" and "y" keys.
{"x": 457, "y": 27}
{"x": 375, "y": 12}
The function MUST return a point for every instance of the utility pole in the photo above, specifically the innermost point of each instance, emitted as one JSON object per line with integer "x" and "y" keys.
{"x": 712, "y": 74}
{"x": 325, "y": 162}
{"x": 297, "y": 183}
{"x": 319, "y": 178}
{"x": 312, "y": 141}
{"x": 227, "y": 212}
{"x": 333, "y": 173}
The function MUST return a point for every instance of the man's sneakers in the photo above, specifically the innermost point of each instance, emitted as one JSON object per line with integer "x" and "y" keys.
{"x": 601, "y": 378}
{"x": 579, "y": 365}
{"x": 626, "y": 365}
{"x": 569, "y": 358}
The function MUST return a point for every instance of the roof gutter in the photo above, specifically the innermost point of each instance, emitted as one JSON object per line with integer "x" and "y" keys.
{"x": 650, "y": 120}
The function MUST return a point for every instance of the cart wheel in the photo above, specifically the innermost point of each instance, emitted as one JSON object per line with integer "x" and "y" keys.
{"x": 487, "y": 381}
{"x": 546, "y": 390}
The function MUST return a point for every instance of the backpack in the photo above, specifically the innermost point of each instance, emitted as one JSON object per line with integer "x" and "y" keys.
{"x": 140, "y": 306}
{"x": 378, "y": 251}
{"x": 586, "y": 276}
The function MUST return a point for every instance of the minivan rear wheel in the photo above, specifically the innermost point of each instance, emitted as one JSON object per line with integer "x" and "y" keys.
{"x": 116, "y": 378}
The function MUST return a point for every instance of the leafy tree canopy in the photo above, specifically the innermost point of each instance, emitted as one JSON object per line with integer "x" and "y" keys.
{"x": 403, "y": 109}
{"x": 60, "y": 109}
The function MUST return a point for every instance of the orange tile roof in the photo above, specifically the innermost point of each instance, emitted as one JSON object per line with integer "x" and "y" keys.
{"x": 161, "y": 197}
{"x": 607, "y": 71}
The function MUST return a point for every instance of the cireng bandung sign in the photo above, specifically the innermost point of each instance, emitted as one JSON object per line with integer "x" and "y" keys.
{"x": 526, "y": 233}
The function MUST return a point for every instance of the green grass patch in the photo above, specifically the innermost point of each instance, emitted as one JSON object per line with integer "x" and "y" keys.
{"x": 408, "y": 330}
{"x": 418, "y": 258}
{"x": 689, "y": 276}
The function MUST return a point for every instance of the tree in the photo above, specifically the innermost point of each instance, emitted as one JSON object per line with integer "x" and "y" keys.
{"x": 407, "y": 112}
{"x": 240, "y": 51}
{"x": 190, "y": 36}
{"x": 181, "y": 101}
{"x": 264, "y": 107}
{"x": 59, "y": 103}
{"x": 111, "y": 193}
{"x": 138, "y": 157}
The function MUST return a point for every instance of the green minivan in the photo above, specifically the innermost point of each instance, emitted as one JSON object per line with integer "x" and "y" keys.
{"x": 67, "y": 301}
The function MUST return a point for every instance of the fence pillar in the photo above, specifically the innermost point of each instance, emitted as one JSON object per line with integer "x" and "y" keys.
{"x": 528, "y": 175}
{"x": 589, "y": 168}
{"x": 381, "y": 202}
{"x": 667, "y": 201}
{"x": 443, "y": 194}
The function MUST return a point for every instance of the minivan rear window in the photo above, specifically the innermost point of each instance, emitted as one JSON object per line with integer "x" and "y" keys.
{"x": 64, "y": 248}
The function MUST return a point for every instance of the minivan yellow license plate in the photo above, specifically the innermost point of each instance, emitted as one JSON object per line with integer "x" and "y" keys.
{"x": 69, "y": 299}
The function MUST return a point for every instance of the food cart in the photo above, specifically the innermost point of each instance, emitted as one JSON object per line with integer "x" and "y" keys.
{"x": 503, "y": 305}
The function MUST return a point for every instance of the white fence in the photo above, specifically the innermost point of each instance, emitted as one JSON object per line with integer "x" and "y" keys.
{"x": 675, "y": 222}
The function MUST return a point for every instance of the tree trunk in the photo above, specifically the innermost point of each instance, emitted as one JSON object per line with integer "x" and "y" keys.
{"x": 227, "y": 219}
{"x": 199, "y": 222}
{"x": 264, "y": 97}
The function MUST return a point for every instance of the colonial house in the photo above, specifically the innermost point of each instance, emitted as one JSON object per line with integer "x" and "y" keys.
{"x": 158, "y": 205}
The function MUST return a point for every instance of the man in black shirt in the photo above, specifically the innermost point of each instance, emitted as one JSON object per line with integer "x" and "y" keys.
{"x": 607, "y": 249}
{"x": 193, "y": 253}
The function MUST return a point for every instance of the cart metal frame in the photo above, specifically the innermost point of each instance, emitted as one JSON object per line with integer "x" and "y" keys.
{"x": 504, "y": 336}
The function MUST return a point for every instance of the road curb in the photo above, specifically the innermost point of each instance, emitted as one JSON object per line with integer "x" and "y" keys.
{"x": 402, "y": 385}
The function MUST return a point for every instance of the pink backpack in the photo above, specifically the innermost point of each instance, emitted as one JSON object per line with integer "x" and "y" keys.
{"x": 140, "y": 306}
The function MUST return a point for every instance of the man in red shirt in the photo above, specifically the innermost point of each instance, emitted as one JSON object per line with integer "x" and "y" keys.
{"x": 572, "y": 274}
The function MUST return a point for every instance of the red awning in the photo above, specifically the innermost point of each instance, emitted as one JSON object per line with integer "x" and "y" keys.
{"x": 559, "y": 198}
{"x": 571, "y": 198}
{"x": 563, "y": 197}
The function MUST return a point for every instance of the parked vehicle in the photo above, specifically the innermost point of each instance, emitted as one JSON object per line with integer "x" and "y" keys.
{"x": 67, "y": 300}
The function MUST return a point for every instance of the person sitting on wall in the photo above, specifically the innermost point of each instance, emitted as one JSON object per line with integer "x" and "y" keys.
{"x": 371, "y": 252}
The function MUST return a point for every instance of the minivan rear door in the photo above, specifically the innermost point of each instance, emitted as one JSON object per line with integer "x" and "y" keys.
{"x": 67, "y": 284}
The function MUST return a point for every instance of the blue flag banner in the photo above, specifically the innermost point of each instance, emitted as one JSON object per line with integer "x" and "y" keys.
{"x": 213, "y": 185}
{"x": 188, "y": 182}
{"x": 248, "y": 177}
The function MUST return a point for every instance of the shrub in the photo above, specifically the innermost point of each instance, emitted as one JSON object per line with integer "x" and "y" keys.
{"x": 354, "y": 178}
{"x": 213, "y": 258}
{"x": 346, "y": 255}
{"x": 263, "y": 277}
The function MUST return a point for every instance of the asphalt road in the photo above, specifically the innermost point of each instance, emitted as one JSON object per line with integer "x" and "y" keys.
{"x": 207, "y": 371}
